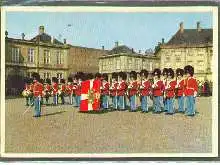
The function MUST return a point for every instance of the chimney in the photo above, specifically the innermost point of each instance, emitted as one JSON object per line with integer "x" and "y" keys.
{"x": 6, "y": 34}
{"x": 52, "y": 39}
{"x": 132, "y": 50}
{"x": 22, "y": 35}
{"x": 139, "y": 51}
{"x": 198, "y": 27}
{"x": 181, "y": 27}
{"x": 64, "y": 41}
{"x": 162, "y": 40}
{"x": 41, "y": 30}
{"x": 116, "y": 44}
{"x": 103, "y": 48}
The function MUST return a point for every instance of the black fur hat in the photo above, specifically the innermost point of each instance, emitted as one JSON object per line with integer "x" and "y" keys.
{"x": 35, "y": 76}
{"x": 165, "y": 71}
{"x": 133, "y": 74}
{"x": 157, "y": 71}
{"x": 115, "y": 75}
{"x": 70, "y": 79}
{"x": 179, "y": 72}
{"x": 89, "y": 76}
{"x": 170, "y": 72}
{"x": 144, "y": 73}
{"x": 48, "y": 81}
{"x": 62, "y": 81}
{"x": 41, "y": 81}
{"x": 123, "y": 75}
{"x": 189, "y": 69}
{"x": 105, "y": 76}
{"x": 54, "y": 80}
{"x": 98, "y": 75}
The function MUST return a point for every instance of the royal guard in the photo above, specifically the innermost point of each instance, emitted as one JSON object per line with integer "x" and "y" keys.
{"x": 80, "y": 76}
{"x": 26, "y": 92}
{"x": 90, "y": 93}
{"x": 113, "y": 90}
{"x": 170, "y": 91}
{"x": 121, "y": 90}
{"x": 164, "y": 100}
{"x": 69, "y": 90}
{"x": 63, "y": 91}
{"x": 47, "y": 90}
{"x": 55, "y": 90}
{"x": 42, "y": 86}
{"x": 191, "y": 90}
{"x": 31, "y": 87}
{"x": 144, "y": 90}
{"x": 158, "y": 88}
{"x": 105, "y": 91}
{"x": 75, "y": 86}
{"x": 133, "y": 90}
{"x": 180, "y": 89}
{"x": 37, "y": 91}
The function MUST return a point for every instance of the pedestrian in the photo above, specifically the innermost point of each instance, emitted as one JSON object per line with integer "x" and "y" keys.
{"x": 144, "y": 90}
{"x": 113, "y": 91}
{"x": 132, "y": 91}
{"x": 170, "y": 91}
{"x": 158, "y": 88}
{"x": 121, "y": 90}
{"x": 105, "y": 91}
{"x": 180, "y": 90}
{"x": 190, "y": 90}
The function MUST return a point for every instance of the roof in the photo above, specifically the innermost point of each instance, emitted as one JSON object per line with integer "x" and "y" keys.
{"x": 121, "y": 49}
{"x": 46, "y": 39}
{"x": 191, "y": 36}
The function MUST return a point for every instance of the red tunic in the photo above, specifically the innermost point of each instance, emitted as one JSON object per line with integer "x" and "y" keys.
{"x": 63, "y": 87}
{"x": 38, "y": 89}
{"x": 54, "y": 88}
{"x": 105, "y": 88}
{"x": 170, "y": 89}
{"x": 69, "y": 88}
{"x": 78, "y": 89}
{"x": 145, "y": 88}
{"x": 47, "y": 87}
{"x": 158, "y": 88}
{"x": 133, "y": 88}
{"x": 180, "y": 88}
{"x": 113, "y": 89}
{"x": 121, "y": 90}
{"x": 191, "y": 86}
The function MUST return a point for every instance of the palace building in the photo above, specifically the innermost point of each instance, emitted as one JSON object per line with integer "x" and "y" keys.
{"x": 123, "y": 58}
{"x": 189, "y": 47}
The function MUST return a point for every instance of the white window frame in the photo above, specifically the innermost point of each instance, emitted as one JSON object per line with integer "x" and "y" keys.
{"x": 31, "y": 55}
{"x": 15, "y": 55}
{"x": 46, "y": 57}
{"x": 59, "y": 57}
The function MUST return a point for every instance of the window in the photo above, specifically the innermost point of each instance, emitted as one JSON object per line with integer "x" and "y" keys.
{"x": 136, "y": 64}
{"x": 59, "y": 58}
{"x": 30, "y": 55}
{"x": 129, "y": 64}
{"x": 200, "y": 62}
{"x": 29, "y": 74}
{"x": 46, "y": 75}
{"x": 167, "y": 59}
{"x": 151, "y": 66}
{"x": 46, "y": 56}
{"x": 200, "y": 54}
{"x": 118, "y": 64}
{"x": 15, "y": 55}
{"x": 59, "y": 76}
{"x": 178, "y": 59}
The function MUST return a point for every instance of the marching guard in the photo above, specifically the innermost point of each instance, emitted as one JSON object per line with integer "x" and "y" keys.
{"x": 133, "y": 90}
{"x": 63, "y": 91}
{"x": 105, "y": 92}
{"x": 113, "y": 91}
{"x": 164, "y": 100}
{"x": 47, "y": 90}
{"x": 69, "y": 90}
{"x": 55, "y": 90}
{"x": 191, "y": 90}
{"x": 37, "y": 91}
{"x": 145, "y": 90}
{"x": 121, "y": 90}
{"x": 158, "y": 88}
{"x": 79, "y": 77}
{"x": 170, "y": 91}
{"x": 180, "y": 89}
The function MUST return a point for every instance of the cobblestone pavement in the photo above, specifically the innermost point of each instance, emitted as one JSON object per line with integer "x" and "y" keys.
{"x": 65, "y": 130}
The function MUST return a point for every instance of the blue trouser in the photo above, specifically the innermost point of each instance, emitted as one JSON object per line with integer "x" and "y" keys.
{"x": 133, "y": 103}
{"x": 165, "y": 104}
{"x": 55, "y": 99}
{"x": 190, "y": 105}
{"x": 105, "y": 103}
{"x": 47, "y": 100}
{"x": 170, "y": 108}
{"x": 144, "y": 103}
{"x": 180, "y": 103}
{"x": 37, "y": 106}
{"x": 121, "y": 102}
{"x": 62, "y": 98}
{"x": 157, "y": 103}
{"x": 77, "y": 100}
{"x": 115, "y": 102}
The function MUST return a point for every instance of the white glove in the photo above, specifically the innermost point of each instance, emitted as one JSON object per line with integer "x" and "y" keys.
{"x": 195, "y": 94}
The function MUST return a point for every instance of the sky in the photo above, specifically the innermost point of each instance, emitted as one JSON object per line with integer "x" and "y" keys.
{"x": 140, "y": 31}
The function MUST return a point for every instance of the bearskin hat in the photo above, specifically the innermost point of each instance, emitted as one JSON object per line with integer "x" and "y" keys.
{"x": 41, "y": 81}
{"x": 189, "y": 69}
{"x": 170, "y": 72}
{"x": 165, "y": 71}
{"x": 48, "y": 81}
{"x": 89, "y": 76}
{"x": 62, "y": 81}
{"x": 98, "y": 75}
{"x": 35, "y": 76}
{"x": 54, "y": 79}
{"x": 133, "y": 74}
{"x": 105, "y": 76}
{"x": 31, "y": 80}
{"x": 179, "y": 72}
{"x": 123, "y": 75}
{"x": 144, "y": 73}
{"x": 70, "y": 79}
{"x": 157, "y": 71}
{"x": 115, "y": 75}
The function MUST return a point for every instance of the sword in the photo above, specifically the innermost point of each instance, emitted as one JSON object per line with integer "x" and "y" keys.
{"x": 27, "y": 109}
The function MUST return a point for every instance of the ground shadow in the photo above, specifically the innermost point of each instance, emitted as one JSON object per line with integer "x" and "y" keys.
{"x": 55, "y": 113}
{"x": 96, "y": 112}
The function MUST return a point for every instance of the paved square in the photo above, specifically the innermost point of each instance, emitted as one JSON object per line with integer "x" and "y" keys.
{"x": 63, "y": 129}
